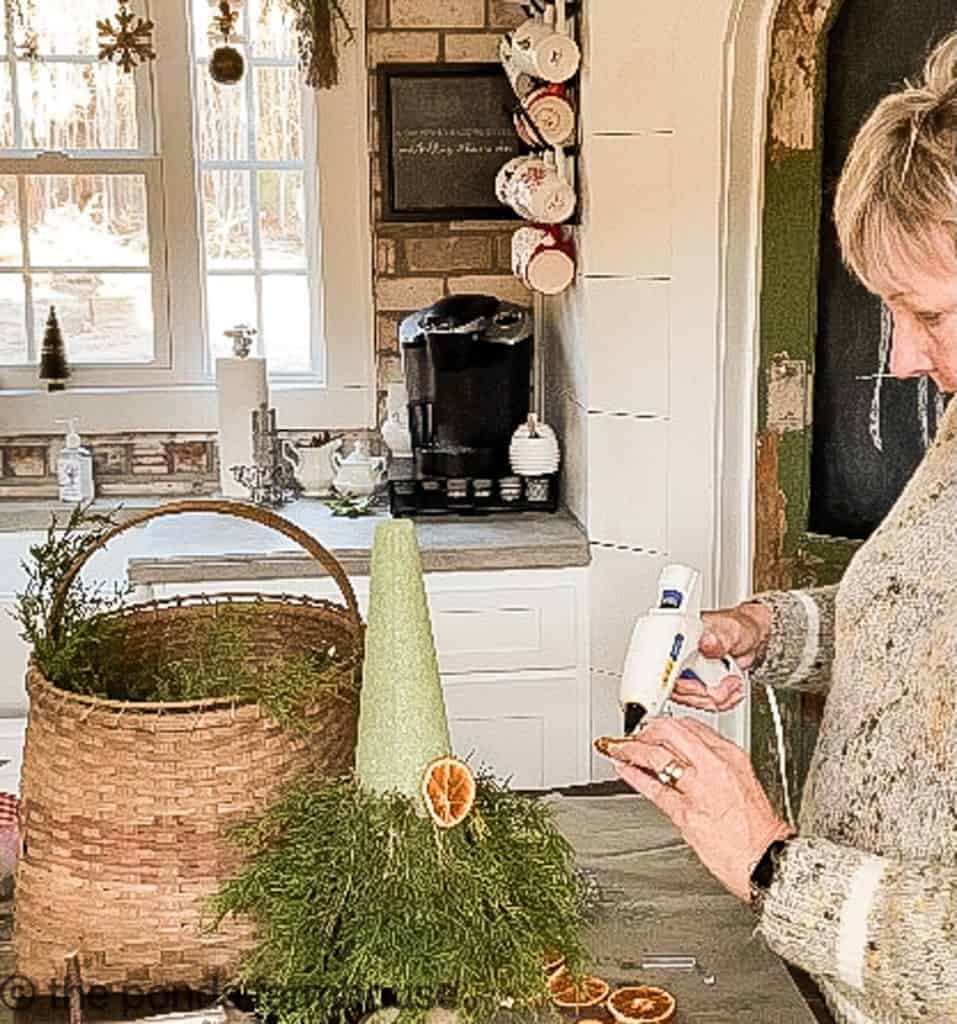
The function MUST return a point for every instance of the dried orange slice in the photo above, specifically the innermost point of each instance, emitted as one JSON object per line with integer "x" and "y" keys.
{"x": 565, "y": 993}
{"x": 448, "y": 789}
{"x": 552, "y": 959}
{"x": 642, "y": 1004}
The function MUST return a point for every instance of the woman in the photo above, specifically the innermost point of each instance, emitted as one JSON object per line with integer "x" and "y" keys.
{"x": 864, "y": 895}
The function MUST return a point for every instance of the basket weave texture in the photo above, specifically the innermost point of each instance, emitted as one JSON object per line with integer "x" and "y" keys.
{"x": 125, "y": 804}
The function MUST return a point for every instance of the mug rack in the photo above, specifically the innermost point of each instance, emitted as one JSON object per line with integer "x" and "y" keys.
{"x": 560, "y": 94}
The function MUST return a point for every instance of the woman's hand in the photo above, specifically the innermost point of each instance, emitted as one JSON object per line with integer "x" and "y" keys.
{"x": 716, "y": 801}
{"x": 740, "y": 632}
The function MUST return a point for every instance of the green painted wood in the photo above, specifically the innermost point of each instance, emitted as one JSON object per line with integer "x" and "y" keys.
{"x": 791, "y": 229}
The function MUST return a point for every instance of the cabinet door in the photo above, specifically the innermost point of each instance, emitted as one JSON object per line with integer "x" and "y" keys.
{"x": 530, "y": 729}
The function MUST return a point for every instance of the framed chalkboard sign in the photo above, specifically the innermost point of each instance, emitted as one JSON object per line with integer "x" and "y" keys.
{"x": 445, "y": 130}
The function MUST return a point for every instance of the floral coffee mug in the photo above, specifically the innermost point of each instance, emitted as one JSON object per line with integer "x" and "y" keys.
{"x": 535, "y": 190}
{"x": 543, "y": 259}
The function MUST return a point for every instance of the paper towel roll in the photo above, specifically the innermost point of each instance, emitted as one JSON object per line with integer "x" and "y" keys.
{"x": 241, "y": 387}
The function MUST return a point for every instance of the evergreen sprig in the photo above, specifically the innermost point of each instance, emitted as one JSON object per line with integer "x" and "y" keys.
{"x": 67, "y": 651}
{"x": 360, "y": 903}
{"x": 211, "y": 654}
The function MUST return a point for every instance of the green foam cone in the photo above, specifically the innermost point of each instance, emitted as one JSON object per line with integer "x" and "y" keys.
{"x": 402, "y": 720}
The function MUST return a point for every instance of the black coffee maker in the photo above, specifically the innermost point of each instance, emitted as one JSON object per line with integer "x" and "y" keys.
{"x": 468, "y": 372}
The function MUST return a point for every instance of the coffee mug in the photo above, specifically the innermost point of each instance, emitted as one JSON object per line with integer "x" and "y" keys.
{"x": 546, "y": 117}
{"x": 539, "y": 49}
{"x": 505, "y": 174}
{"x": 543, "y": 259}
{"x": 522, "y": 83}
{"x": 535, "y": 190}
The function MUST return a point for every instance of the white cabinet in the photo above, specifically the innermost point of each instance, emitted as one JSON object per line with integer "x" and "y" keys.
{"x": 512, "y": 648}
{"x": 513, "y": 653}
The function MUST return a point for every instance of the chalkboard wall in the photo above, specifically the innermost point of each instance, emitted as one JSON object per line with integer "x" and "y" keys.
{"x": 868, "y": 435}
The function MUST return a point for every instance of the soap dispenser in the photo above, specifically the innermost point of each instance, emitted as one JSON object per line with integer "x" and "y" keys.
{"x": 74, "y": 466}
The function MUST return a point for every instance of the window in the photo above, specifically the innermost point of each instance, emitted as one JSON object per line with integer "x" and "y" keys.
{"x": 156, "y": 210}
{"x": 75, "y": 233}
{"x": 252, "y": 153}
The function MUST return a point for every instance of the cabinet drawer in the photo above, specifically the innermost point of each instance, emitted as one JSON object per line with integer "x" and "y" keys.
{"x": 476, "y": 628}
{"x": 505, "y": 629}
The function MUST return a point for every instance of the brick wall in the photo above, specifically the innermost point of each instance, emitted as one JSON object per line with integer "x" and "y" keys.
{"x": 416, "y": 264}
{"x": 129, "y": 465}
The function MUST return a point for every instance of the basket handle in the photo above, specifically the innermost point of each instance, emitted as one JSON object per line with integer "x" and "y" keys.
{"x": 240, "y": 510}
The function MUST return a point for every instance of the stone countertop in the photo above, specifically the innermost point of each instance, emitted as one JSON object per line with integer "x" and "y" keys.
{"x": 186, "y": 548}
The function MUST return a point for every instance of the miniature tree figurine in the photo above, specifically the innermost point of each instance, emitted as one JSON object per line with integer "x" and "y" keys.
{"x": 53, "y": 365}
{"x": 414, "y": 884}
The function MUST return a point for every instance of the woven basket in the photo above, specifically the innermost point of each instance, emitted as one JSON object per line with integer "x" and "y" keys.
{"x": 125, "y": 804}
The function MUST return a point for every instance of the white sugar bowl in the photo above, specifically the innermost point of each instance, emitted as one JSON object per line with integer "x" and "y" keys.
{"x": 534, "y": 449}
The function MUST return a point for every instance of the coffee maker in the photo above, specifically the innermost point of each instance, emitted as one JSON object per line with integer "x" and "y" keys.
{"x": 467, "y": 361}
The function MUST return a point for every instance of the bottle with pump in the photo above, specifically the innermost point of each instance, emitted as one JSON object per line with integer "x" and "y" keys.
{"x": 74, "y": 466}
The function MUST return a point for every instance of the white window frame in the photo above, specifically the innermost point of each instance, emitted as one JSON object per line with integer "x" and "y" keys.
{"x": 177, "y": 393}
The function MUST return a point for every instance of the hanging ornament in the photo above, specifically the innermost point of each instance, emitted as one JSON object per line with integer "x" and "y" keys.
{"x": 226, "y": 65}
{"x": 129, "y": 42}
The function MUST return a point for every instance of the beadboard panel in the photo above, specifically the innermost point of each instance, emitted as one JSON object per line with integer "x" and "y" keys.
{"x": 628, "y": 358}
{"x": 628, "y": 481}
{"x": 627, "y": 200}
{"x": 628, "y": 65}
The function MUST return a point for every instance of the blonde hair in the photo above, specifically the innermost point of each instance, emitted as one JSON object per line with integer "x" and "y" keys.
{"x": 898, "y": 187}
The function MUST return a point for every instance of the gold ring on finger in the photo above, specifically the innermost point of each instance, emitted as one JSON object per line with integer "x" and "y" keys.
{"x": 671, "y": 774}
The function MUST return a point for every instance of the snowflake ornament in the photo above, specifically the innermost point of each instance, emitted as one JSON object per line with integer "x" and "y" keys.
{"x": 129, "y": 42}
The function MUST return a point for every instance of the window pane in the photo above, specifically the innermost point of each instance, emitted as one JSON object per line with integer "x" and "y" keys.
{"x": 223, "y": 126}
{"x": 281, "y": 226}
{"x": 227, "y": 217}
{"x": 272, "y": 29}
{"x": 87, "y": 220}
{"x": 105, "y": 318}
{"x": 278, "y": 114}
{"x": 286, "y": 323}
{"x": 77, "y": 106}
{"x": 229, "y": 301}
{"x": 11, "y": 246}
{"x": 6, "y": 109}
{"x": 71, "y": 28}
{"x": 13, "y": 334}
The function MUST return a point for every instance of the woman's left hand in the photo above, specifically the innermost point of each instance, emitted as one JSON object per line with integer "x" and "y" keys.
{"x": 716, "y": 800}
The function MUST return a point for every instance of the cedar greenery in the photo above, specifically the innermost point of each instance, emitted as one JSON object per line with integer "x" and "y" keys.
{"x": 66, "y": 651}
{"x": 359, "y": 902}
{"x": 89, "y": 651}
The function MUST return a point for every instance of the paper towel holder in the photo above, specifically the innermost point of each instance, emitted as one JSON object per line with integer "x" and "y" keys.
{"x": 242, "y": 337}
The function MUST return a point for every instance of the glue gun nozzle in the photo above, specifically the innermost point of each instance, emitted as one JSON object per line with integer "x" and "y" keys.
{"x": 634, "y": 714}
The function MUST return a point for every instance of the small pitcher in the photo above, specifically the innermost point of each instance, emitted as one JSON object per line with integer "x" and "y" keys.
{"x": 315, "y": 466}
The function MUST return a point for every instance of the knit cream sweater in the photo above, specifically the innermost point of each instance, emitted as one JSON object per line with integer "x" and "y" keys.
{"x": 865, "y": 897}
